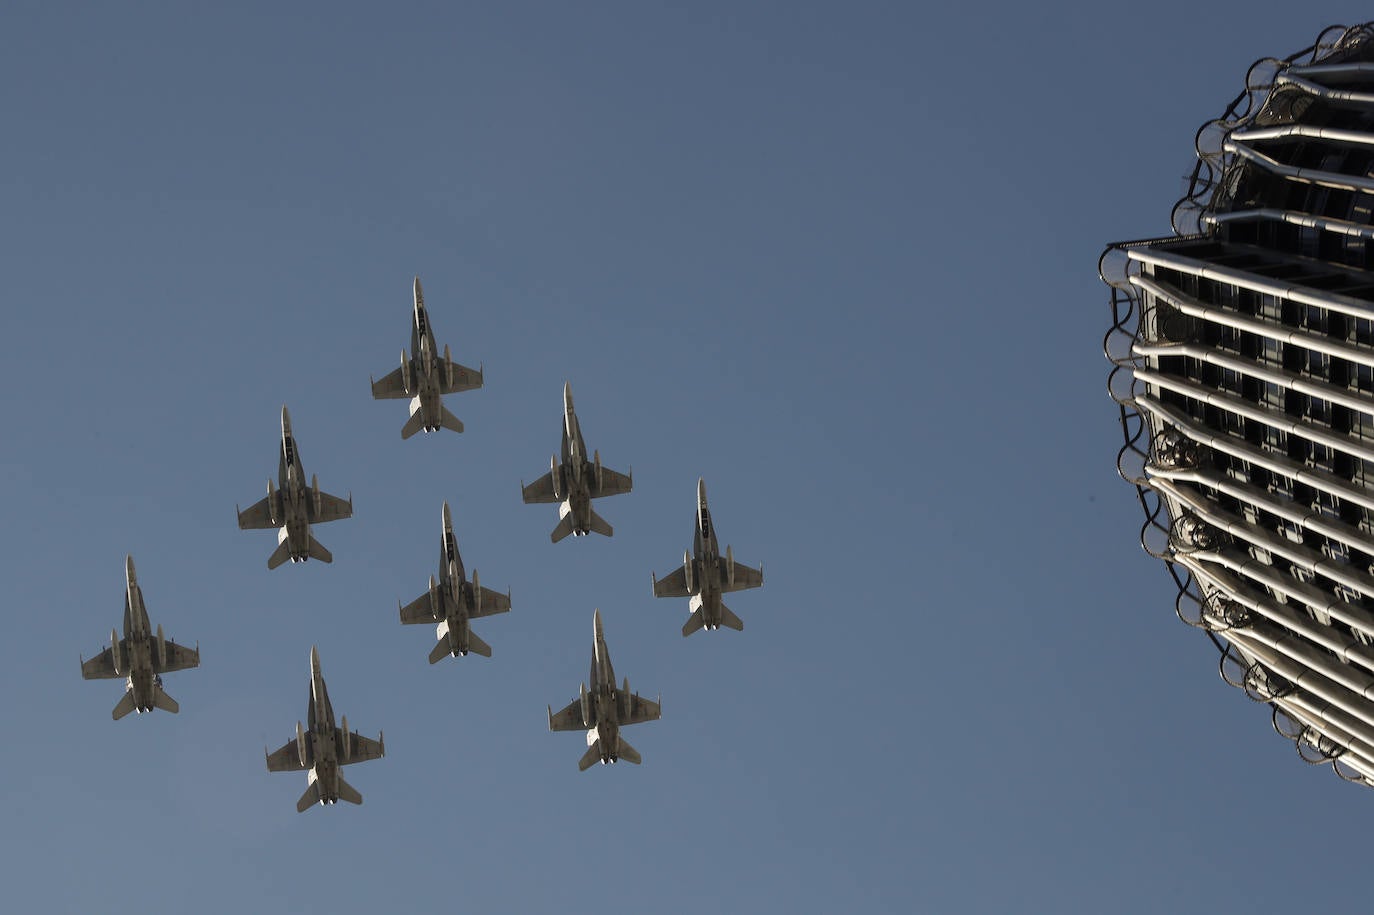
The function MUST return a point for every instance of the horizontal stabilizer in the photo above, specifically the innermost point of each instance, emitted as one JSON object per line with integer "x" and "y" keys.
{"x": 414, "y": 424}
{"x": 626, "y": 752}
{"x": 319, "y": 552}
{"x": 279, "y": 555}
{"x": 728, "y": 619}
{"x": 693, "y": 623}
{"x": 348, "y": 793}
{"x": 599, "y": 525}
{"x": 163, "y": 701}
{"x": 309, "y": 799}
{"x": 565, "y": 527}
{"x": 441, "y": 651}
{"x": 591, "y": 757}
{"x": 125, "y": 706}
{"x": 477, "y": 646}
{"x": 450, "y": 421}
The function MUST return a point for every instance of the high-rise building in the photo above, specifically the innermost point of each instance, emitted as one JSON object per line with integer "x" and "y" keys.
{"x": 1244, "y": 354}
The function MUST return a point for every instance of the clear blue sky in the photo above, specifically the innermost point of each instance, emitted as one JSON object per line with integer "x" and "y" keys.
{"x": 838, "y": 259}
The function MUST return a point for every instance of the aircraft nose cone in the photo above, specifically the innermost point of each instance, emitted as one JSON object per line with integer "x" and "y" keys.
{"x": 285, "y": 419}
{"x": 567, "y": 397}
{"x": 701, "y": 490}
{"x": 314, "y": 659}
{"x": 448, "y": 517}
{"x": 129, "y": 567}
{"x": 596, "y": 624}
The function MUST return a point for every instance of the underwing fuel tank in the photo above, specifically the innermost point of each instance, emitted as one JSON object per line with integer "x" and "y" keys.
{"x": 300, "y": 746}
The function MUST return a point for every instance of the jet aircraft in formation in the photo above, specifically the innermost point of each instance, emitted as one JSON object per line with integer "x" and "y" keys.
{"x": 603, "y": 710}
{"x": 293, "y": 507}
{"x": 576, "y": 481}
{"x": 141, "y": 656}
{"x": 704, "y": 576}
{"x": 453, "y": 601}
{"x": 322, "y": 748}
{"x": 424, "y": 378}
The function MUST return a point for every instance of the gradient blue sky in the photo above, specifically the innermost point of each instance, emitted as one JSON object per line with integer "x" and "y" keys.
{"x": 838, "y": 259}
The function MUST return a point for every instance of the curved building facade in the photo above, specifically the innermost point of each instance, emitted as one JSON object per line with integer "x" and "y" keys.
{"x": 1243, "y": 348}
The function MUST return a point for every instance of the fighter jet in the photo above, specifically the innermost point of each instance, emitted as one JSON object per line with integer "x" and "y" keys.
{"x": 294, "y": 508}
{"x": 576, "y": 481}
{"x": 141, "y": 656}
{"x": 453, "y": 601}
{"x": 603, "y": 710}
{"x": 322, "y": 748}
{"x": 704, "y": 577}
{"x": 424, "y": 378}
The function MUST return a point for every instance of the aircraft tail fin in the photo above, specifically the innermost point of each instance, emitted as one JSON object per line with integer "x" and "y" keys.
{"x": 591, "y": 757}
{"x": 348, "y": 793}
{"x": 316, "y": 551}
{"x": 693, "y": 624}
{"x": 163, "y": 701}
{"x": 728, "y": 618}
{"x": 564, "y": 528}
{"x": 477, "y": 646}
{"x": 125, "y": 706}
{"x": 310, "y": 798}
{"x": 414, "y": 424}
{"x": 599, "y": 525}
{"x": 450, "y": 421}
{"x": 441, "y": 651}
{"x": 625, "y": 751}
{"x": 279, "y": 555}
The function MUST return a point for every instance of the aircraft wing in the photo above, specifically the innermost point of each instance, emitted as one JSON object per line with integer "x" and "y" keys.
{"x": 464, "y": 379}
{"x": 179, "y": 657}
{"x": 391, "y": 387}
{"x": 745, "y": 577}
{"x": 672, "y": 585}
{"x": 418, "y": 611}
{"x": 569, "y": 719}
{"x": 287, "y": 759}
{"x": 332, "y": 508}
{"x": 361, "y": 748}
{"x": 541, "y": 490}
{"x": 493, "y": 602}
{"x": 257, "y": 517}
{"x": 640, "y": 709}
{"x": 100, "y": 667}
{"x": 613, "y": 483}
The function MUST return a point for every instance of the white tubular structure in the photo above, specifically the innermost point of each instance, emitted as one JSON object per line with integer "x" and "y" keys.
{"x": 1244, "y": 374}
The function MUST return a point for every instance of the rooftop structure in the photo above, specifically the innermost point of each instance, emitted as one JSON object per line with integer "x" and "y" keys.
{"x": 1243, "y": 348}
